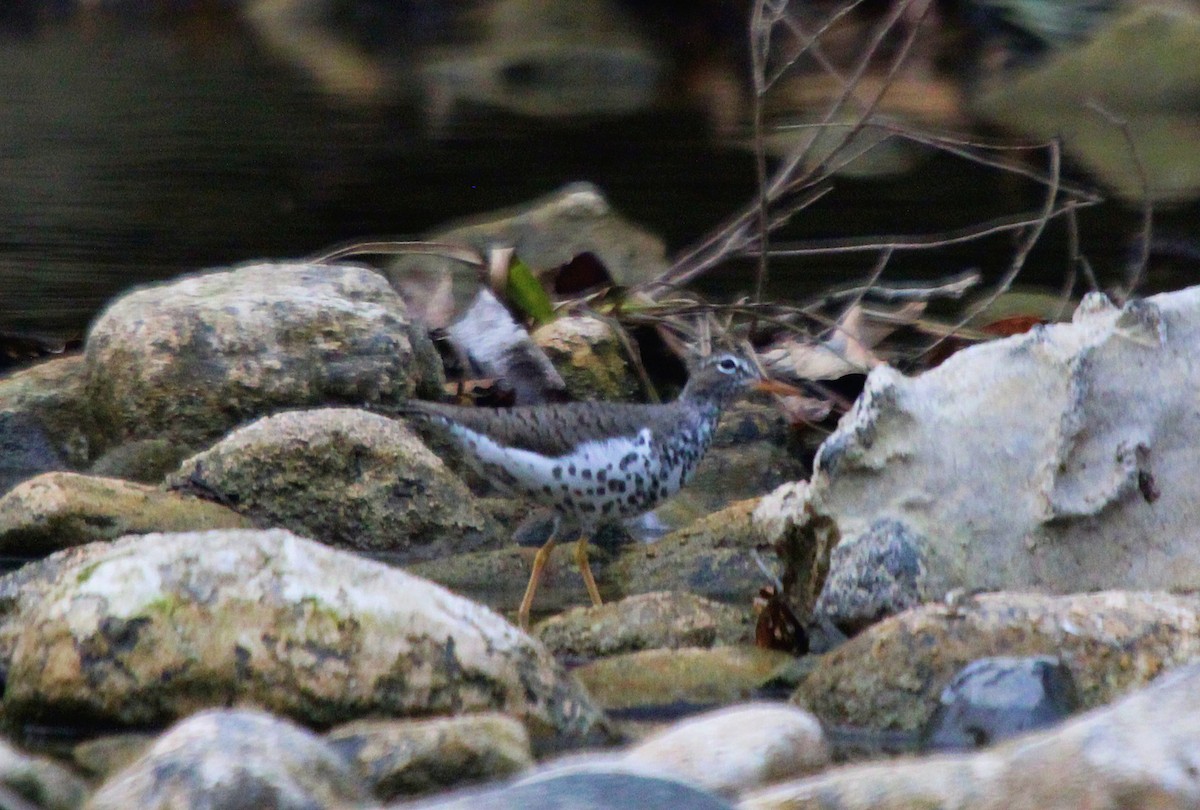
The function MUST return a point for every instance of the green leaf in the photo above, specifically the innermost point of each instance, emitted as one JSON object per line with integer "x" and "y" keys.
{"x": 527, "y": 293}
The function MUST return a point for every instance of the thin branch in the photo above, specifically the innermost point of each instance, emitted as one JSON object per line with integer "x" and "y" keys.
{"x": 1018, "y": 259}
{"x": 389, "y": 248}
{"x": 731, "y": 238}
{"x": 1138, "y": 266}
{"x": 953, "y": 287}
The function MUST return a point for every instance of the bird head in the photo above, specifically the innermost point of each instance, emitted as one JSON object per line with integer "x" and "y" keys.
{"x": 722, "y": 378}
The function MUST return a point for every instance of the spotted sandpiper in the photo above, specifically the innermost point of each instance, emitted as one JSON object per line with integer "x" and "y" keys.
{"x": 594, "y": 462}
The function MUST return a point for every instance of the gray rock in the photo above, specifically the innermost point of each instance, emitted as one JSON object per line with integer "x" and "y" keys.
{"x": 346, "y": 477}
{"x": 1038, "y": 461}
{"x": 147, "y": 461}
{"x": 665, "y": 619}
{"x": 41, "y": 782}
{"x": 992, "y": 699}
{"x": 595, "y": 788}
{"x": 803, "y": 542}
{"x": 877, "y": 574}
{"x": 590, "y": 358}
{"x": 733, "y": 750}
{"x": 45, "y": 422}
{"x": 148, "y": 629}
{"x": 25, "y": 450}
{"x": 104, "y": 756}
{"x": 190, "y": 359}
{"x": 711, "y": 557}
{"x": 63, "y": 509}
{"x": 890, "y": 676}
{"x": 234, "y": 759}
{"x": 662, "y": 682}
{"x": 1141, "y": 752}
{"x": 408, "y": 758}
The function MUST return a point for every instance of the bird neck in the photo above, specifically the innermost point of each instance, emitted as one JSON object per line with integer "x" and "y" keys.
{"x": 705, "y": 410}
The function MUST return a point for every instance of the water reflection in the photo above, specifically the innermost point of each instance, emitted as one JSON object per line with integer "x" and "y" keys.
{"x": 143, "y": 139}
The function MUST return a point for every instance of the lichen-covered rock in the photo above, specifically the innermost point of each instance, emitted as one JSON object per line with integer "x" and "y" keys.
{"x": 148, "y": 629}
{"x": 41, "y": 782}
{"x": 1060, "y": 460}
{"x": 665, "y": 619}
{"x": 346, "y": 477}
{"x": 194, "y": 357}
{"x": 670, "y": 678}
{"x": 879, "y": 573}
{"x": 147, "y": 461}
{"x": 736, "y": 749}
{"x": 407, "y": 758}
{"x": 802, "y": 539}
{"x": 891, "y": 675}
{"x": 45, "y": 422}
{"x": 104, "y": 756}
{"x": 63, "y": 509}
{"x": 235, "y": 760}
{"x": 590, "y": 358}
{"x": 1140, "y": 752}
{"x": 712, "y": 557}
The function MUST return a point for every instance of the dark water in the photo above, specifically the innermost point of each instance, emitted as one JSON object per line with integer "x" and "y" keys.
{"x": 135, "y": 147}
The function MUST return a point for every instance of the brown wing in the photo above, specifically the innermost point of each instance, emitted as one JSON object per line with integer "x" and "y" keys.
{"x": 551, "y": 430}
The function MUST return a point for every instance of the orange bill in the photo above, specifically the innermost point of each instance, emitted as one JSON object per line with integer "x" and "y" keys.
{"x": 770, "y": 386}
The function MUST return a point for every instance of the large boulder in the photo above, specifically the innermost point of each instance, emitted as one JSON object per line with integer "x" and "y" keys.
{"x": 891, "y": 675}
{"x": 1139, "y": 753}
{"x": 194, "y": 357}
{"x": 236, "y": 760}
{"x": 148, "y": 629}
{"x": 346, "y": 477}
{"x": 410, "y": 757}
{"x": 669, "y": 619}
{"x": 736, "y": 749}
{"x": 1060, "y": 460}
{"x": 63, "y": 509}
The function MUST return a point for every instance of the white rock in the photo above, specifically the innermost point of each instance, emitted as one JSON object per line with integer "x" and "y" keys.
{"x": 739, "y": 748}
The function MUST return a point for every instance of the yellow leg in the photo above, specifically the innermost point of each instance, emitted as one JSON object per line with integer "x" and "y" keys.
{"x": 581, "y": 559}
{"x": 535, "y": 576}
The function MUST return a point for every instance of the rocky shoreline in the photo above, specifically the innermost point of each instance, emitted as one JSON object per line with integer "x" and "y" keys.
{"x": 250, "y": 586}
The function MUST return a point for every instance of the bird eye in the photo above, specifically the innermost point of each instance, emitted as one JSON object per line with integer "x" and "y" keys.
{"x": 727, "y": 365}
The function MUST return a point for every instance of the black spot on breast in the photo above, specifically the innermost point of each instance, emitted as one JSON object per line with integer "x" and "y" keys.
{"x": 602, "y": 476}
{"x": 577, "y": 492}
{"x": 557, "y": 473}
{"x": 587, "y": 474}
{"x": 571, "y": 470}
{"x": 629, "y": 459}
{"x": 617, "y": 485}
{"x": 633, "y": 499}
{"x": 546, "y": 489}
